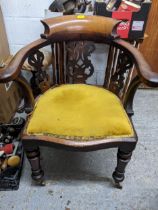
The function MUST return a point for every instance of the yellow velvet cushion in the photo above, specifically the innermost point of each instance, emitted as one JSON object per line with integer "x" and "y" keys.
{"x": 80, "y": 111}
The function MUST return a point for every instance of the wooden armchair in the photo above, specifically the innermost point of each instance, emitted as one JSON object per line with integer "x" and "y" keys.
{"x": 71, "y": 114}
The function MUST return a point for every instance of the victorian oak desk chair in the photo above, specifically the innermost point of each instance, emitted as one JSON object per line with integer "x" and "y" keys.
{"x": 70, "y": 114}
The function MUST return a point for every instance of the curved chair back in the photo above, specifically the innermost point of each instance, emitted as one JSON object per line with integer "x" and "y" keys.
{"x": 76, "y": 42}
{"x": 73, "y": 42}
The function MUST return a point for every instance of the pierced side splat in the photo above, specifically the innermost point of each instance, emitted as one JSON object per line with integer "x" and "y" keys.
{"x": 124, "y": 64}
{"x": 40, "y": 81}
{"x": 79, "y": 66}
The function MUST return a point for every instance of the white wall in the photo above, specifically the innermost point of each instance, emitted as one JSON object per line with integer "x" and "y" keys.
{"x": 22, "y": 21}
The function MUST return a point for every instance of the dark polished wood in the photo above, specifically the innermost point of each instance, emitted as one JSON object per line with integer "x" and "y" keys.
{"x": 122, "y": 160}
{"x": 72, "y": 144}
{"x": 79, "y": 27}
{"x": 146, "y": 74}
{"x": 13, "y": 69}
{"x": 79, "y": 67}
{"x": 60, "y": 33}
{"x": 129, "y": 97}
{"x": 33, "y": 155}
{"x": 27, "y": 93}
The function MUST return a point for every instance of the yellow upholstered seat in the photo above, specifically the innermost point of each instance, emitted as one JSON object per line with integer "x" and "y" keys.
{"x": 79, "y": 111}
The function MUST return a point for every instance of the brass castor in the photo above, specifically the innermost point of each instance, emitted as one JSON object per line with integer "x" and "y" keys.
{"x": 41, "y": 183}
{"x": 118, "y": 185}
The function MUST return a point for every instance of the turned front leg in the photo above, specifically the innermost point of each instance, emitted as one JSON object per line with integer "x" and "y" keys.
{"x": 122, "y": 161}
{"x": 33, "y": 156}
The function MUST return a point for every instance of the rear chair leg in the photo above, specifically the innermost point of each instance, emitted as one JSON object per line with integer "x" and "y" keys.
{"x": 122, "y": 161}
{"x": 33, "y": 156}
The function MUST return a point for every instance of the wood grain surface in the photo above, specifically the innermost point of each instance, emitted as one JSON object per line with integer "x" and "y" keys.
{"x": 4, "y": 47}
{"x": 149, "y": 48}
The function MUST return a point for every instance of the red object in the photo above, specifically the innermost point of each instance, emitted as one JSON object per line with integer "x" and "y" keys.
{"x": 128, "y": 6}
{"x": 125, "y": 12}
{"x": 8, "y": 148}
{"x": 124, "y": 27}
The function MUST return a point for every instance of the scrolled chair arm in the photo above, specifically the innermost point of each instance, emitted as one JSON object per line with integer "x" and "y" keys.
{"x": 144, "y": 70}
{"x": 11, "y": 71}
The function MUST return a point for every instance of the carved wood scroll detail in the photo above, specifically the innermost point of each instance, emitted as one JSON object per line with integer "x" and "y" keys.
{"x": 118, "y": 79}
{"x": 79, "y": 66}
{"x": 40, "y": 81}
